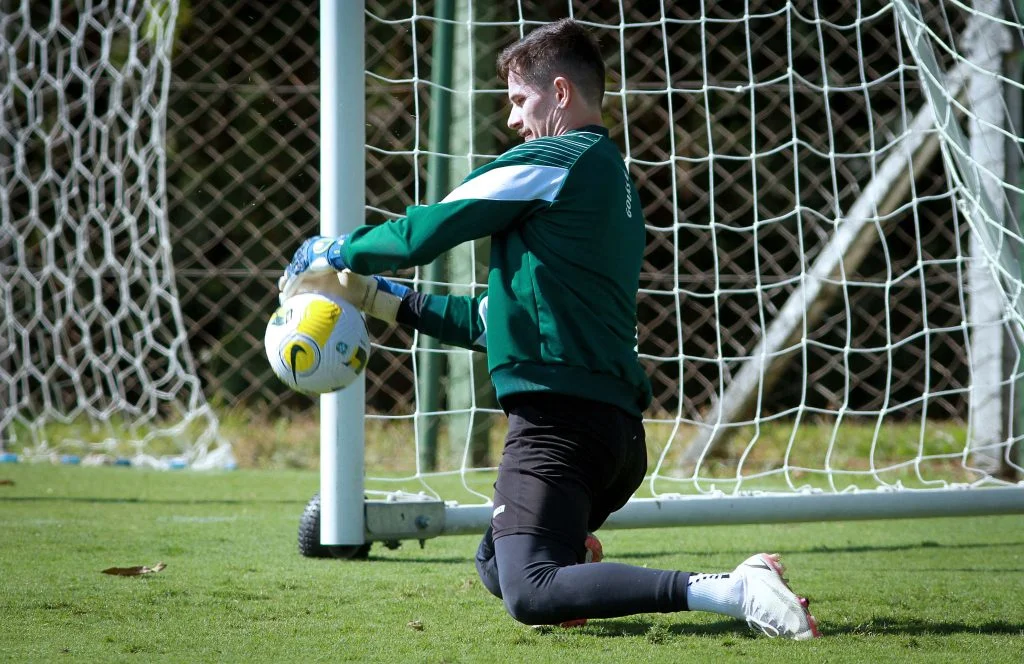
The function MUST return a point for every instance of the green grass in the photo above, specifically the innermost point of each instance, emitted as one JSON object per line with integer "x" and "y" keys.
{"x": 235, "y": 589}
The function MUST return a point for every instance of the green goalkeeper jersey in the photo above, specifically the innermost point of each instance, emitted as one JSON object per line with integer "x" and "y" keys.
{"x": 567, "y": 241}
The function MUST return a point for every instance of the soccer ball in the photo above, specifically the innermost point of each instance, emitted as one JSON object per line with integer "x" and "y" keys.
{"x": 317, "y": 343}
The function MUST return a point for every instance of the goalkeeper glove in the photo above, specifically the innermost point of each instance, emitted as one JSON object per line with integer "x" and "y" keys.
{"x": 318, "y": 254}
{"x": 375, "y": 296}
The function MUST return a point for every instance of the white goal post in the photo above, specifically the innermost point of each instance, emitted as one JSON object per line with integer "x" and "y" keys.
{"x": 941, "y": 95}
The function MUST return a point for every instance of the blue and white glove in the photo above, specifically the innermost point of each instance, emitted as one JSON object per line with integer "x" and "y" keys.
{"x": 315, "y": 256}
{"x": 375, "y": 296}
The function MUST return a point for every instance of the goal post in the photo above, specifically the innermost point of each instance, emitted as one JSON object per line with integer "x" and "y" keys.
{"x": 342, "y": 203}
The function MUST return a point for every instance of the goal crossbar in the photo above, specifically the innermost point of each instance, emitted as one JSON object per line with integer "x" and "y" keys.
{"x": 388, "y": 520}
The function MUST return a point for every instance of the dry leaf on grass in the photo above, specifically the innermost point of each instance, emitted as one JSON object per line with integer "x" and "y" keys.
{"x": 138, "y": 570}
{"x": 6, "y": 482}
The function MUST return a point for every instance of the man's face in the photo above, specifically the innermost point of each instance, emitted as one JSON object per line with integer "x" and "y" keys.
{"x": 535, "y": 113}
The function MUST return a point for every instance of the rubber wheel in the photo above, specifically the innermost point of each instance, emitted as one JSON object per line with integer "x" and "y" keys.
{"x": 309, "y": 537}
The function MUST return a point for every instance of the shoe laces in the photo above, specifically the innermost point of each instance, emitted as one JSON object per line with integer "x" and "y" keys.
{"x": 767, "y": 628}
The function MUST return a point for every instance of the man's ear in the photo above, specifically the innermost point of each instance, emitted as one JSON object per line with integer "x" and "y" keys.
{"x": 563, "y": 91}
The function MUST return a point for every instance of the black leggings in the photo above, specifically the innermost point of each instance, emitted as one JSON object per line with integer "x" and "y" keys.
{"x": 541, "y": 583}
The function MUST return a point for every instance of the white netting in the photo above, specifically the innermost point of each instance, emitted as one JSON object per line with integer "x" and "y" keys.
{"x": 831, "y": 293}
{"x": 94, "y": 359}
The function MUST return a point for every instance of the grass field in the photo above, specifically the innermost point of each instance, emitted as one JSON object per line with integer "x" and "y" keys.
{"x": 235, "y": 589}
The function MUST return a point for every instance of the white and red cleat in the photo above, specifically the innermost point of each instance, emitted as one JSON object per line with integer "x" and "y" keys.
{"x": 769, "y": 604}
{"x": 594, "y": 550}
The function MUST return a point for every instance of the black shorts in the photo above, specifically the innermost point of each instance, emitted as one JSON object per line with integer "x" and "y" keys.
{"x": 568, "y": 463}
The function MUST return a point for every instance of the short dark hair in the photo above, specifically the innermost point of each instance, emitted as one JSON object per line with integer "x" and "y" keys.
{"x": 563, "y": 48}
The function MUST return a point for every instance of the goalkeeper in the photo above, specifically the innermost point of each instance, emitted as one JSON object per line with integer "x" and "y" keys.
{"x": 558, "y": 324}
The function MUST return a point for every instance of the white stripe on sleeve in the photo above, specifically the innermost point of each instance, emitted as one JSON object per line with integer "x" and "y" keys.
{"x": 481, "y": 341}
{"x": 520, "y": 182}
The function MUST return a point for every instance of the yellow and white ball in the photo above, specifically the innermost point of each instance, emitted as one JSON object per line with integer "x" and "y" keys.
{"x": 317, "y": 343}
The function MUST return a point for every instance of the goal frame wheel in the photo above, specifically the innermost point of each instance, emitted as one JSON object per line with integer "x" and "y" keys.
{"x": 309, "y": 537}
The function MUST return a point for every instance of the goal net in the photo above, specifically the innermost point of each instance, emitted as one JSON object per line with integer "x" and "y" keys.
{"x": 94, "y": 358}
{"x": 830, "y": 299}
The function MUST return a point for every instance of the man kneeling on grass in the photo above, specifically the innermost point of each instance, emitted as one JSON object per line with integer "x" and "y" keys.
{"x": 558, "y": 323}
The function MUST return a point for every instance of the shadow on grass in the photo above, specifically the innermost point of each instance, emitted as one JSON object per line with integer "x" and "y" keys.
{"x": 152, "y": 501}
{"x": 644, "y": 628}
{"x": 916, "y": 627}
{"x": 888, "y": 626}
{"x": 447, "y": 560}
